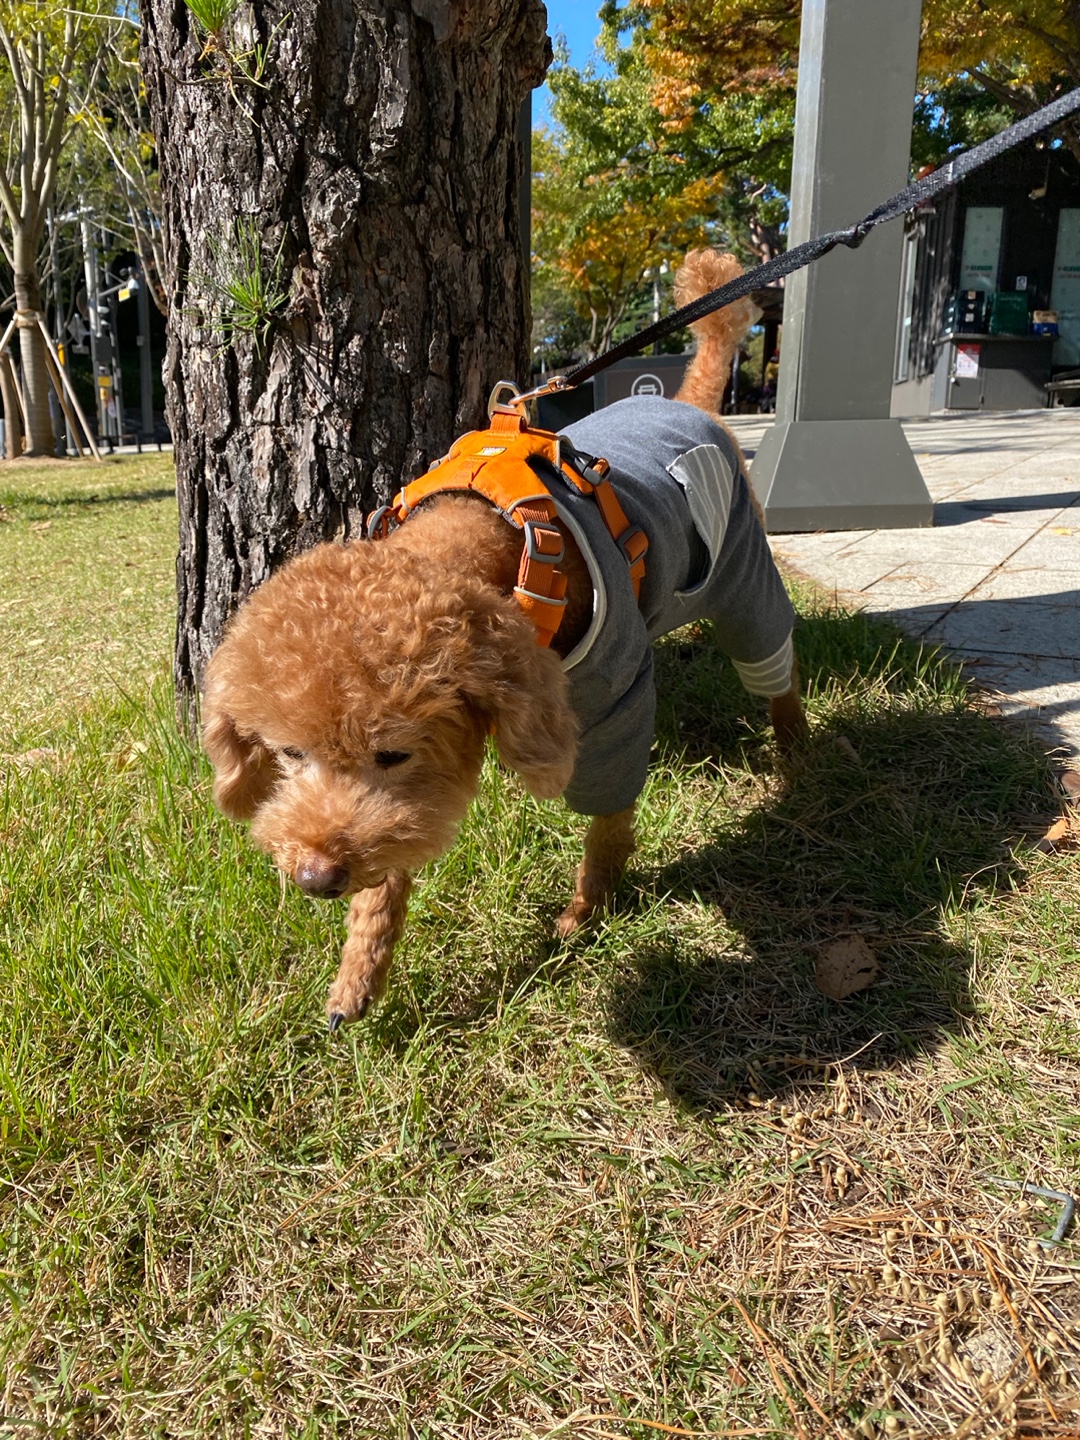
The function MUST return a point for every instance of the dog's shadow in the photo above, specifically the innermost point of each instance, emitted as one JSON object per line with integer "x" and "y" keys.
{"x": 899, "y": 816}
{"x": 896, "y": 818}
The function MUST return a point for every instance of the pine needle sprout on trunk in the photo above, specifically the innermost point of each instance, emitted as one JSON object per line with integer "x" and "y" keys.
{"x": 244, "y": 291}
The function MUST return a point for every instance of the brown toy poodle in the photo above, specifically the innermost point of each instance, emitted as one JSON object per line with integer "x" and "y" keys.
{"x": 348, "y": 708}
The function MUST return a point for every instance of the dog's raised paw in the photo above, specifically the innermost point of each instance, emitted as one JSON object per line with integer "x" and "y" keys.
{"x": 345, "y": 1009}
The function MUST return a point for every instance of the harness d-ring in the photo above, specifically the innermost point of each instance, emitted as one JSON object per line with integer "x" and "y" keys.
{"x": 494, "y": 403}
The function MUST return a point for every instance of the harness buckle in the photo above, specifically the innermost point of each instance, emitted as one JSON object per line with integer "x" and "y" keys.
{"x": 543, "y": 543}
{"x": 557, "y": 602}
{"x": 634, "y": 544}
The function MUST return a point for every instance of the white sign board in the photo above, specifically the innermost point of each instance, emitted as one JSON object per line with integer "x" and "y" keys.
{"x": 1065, "y": 295}
{"x": 967, "y": 362}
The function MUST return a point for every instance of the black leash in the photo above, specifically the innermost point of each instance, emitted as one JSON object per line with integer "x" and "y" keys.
{"x": 918, "y": 193}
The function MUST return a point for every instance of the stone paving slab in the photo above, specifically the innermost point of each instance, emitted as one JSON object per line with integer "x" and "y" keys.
{"x": 996, "y": 581}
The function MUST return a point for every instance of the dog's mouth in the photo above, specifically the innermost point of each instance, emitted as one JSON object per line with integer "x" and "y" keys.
{"x": 366, "y": 880}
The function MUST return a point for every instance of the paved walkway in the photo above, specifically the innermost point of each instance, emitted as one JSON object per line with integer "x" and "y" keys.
{"x": 997, "y": 578}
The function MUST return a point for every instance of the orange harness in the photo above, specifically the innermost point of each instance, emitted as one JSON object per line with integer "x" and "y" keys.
{"x": 494, "y": 463}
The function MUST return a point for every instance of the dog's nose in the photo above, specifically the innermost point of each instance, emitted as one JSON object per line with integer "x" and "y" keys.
{"x": 322, "y": 879}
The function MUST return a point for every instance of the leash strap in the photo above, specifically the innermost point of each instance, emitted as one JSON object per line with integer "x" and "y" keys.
{"x": 946, "y": 177}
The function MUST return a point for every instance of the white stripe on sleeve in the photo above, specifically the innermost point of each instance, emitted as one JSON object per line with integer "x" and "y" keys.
{"x": 769, "y": 677}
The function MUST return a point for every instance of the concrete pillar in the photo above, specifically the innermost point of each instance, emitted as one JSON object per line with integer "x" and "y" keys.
{"x": 834, "y": 460}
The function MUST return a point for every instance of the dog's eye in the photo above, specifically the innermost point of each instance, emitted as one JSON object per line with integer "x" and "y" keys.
{"x": 292, "y": 752}
{"x": 387, "y": 759}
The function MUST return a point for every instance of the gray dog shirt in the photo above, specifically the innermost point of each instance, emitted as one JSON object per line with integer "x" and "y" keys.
{"x": 679, "y": 476}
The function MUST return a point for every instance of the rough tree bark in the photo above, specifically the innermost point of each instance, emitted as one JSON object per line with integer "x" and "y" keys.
{"x": 378, "y": 156}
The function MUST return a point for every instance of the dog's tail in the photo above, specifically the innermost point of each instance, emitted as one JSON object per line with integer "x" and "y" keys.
{"x": 718, "y": 335}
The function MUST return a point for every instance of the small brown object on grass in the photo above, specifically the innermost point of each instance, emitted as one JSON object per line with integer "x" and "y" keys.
{"x": 844, "y": 967}
{"x": 1060, "y": 836}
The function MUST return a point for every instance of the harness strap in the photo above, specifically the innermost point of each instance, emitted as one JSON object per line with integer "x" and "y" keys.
{"x": 631, "y": 539}
{"x": 494, "y": 463}
{"x": 541, "y": 587}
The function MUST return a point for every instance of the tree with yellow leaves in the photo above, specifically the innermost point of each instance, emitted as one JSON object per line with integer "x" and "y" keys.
{"x": 615, "y": 202}
{"x": 1019, "y": 53}
{"x": 693, "y": 133}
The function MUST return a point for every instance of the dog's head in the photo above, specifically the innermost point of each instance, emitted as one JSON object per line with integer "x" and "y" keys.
{"x": 347, "y": 708}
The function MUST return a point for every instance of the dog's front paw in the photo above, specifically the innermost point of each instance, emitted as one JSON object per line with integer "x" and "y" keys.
{"x": 578, "y": 913}
{"x": 350, "y": 997}
{"x": 376, "y": 918}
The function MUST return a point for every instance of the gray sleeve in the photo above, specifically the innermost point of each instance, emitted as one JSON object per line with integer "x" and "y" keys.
{"x": 613, "y": 753}
{"x": 746, "y": 601}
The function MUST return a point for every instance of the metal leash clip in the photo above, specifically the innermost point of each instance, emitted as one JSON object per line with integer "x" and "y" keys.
{"x": 554, "y": 386}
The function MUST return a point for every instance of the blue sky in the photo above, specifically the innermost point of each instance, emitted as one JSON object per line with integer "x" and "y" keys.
{"x": 577, "y": 20}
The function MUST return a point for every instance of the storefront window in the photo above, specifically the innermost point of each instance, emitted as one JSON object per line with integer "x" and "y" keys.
{"x": 982, "y": 247}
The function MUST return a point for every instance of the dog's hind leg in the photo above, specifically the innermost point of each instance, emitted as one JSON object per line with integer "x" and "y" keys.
{"x": 788, "y": 717}
{"x": 376, "y": 920}
{"x": 608, "y": 845}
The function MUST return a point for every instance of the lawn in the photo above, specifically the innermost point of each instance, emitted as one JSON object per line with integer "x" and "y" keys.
{"x": 649, "y": 1183}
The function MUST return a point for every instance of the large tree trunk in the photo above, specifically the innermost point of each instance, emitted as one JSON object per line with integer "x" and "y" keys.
{"x": 380, "y": 160}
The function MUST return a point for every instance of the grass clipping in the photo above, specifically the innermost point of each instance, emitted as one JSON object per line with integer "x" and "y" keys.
{"x": 966, "y": 1322}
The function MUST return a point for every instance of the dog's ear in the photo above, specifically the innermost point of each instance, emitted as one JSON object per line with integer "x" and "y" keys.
{"x": 244, "y": 769}
{"x": 536, "y": 731}
{"x": 523, "y": 693}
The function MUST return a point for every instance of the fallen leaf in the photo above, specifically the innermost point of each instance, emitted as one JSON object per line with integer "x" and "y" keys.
{"x": 1058, "y": 837}
{"x": 130, "y": 754}
{"x": 844, "y": 745}
{"x": 41, "y": 525}
{"x": 1069, "y": 780}
{"x": 1060, "y": 530}
{"x": 844, "y": 967}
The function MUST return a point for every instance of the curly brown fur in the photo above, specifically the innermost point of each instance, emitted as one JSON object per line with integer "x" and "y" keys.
{"x": 718, "y": 336}
{"x": 609, "y": 843}
{"x": 347, "y": 709}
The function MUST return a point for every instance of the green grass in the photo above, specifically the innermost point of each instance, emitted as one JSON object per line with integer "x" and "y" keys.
{"x": 88, "y": 596}
{"x": 649, "y": 1179}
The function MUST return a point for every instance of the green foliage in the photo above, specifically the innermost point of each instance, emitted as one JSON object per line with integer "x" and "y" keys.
{"x": 981, "y": 63}
{"x": 952, "y": 117}
{"x": 216, "y": 20}
{"x": 614, "y": 203}
{"x": 245, "y": 291}
{"x": 212, "y": 16}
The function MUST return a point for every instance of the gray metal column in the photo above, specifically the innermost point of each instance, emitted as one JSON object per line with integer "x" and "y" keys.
{"x": 834, "y": 460}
